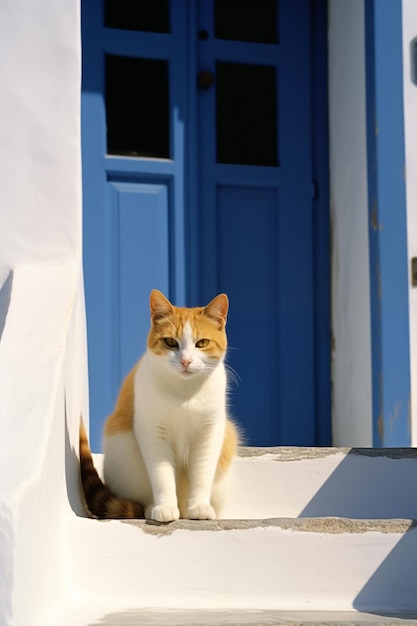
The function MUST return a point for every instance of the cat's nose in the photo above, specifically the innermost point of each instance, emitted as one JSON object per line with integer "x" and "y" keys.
{"x": 186, "y": 362}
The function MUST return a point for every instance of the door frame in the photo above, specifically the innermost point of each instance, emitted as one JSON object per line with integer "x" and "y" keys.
{"x": 388, "y": 247}
{"x": 321, "y": 208}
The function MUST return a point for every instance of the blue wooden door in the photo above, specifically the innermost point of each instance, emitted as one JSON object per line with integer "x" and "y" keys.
{"x": 256, "y": 210}
{"x": 197, "y": 178}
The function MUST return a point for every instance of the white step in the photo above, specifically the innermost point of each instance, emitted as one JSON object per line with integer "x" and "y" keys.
{"x": 252, "y": 617}
{"x": 360, "y": 483}
{"x": 308, "y": 530}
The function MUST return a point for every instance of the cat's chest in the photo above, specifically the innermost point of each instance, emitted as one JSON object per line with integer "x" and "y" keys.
{"x": 179, "y": 402}
{"x": 185, "y": 407}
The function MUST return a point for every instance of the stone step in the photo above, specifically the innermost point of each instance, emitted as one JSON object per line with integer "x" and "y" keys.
{"x": 362, "y": 483}
{"x": 313, "y": 530}
{"x": 280, "y": 563}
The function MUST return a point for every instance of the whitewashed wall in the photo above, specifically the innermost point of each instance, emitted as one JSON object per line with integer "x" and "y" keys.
{"x": 40, "y": 131}
{"x": 410, "y": 120}
{"x": 43, "y": 374}
{"x": 351, "y": 359}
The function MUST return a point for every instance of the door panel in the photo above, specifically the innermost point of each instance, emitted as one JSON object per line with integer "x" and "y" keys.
{"x": 252, "y": 289}
{"x": 134, "y": 102}
{"x": 256, "y": 218}
{"x": 143, "y": 238}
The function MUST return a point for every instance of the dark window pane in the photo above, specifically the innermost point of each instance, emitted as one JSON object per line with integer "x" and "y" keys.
{"x": 150, "y": 16}
{"x": 246, "y": 20}
{"x": 246, "y": 114}
{"x": 137, "y": 107}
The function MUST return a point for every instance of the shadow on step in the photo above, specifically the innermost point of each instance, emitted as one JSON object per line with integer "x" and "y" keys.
{"x": 378, "y": 484}
{"x": 393, "y": 585}
{"x": 369, "y": 484}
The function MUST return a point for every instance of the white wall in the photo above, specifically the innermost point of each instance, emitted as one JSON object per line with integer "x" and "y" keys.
{"x": 40, "y": 130}
{"x": 351, "y": 362}
{"x": 410, "y": 121}
{"x": 43, "y": 373}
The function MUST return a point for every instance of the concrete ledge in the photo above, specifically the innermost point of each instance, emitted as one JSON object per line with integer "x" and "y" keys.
{"x": 292, "y": 453}
{"x": 327, "y": 525}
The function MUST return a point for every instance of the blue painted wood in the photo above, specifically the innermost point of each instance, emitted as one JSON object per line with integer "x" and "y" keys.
{"x": 193, "y": 227}
{"x": 257, "y": 244}
{"x": 247, "y": 261}
{"x": 387, "y": 224}
{"x": 134, "y": 211}
{"x": 295, "y": 261}
{"x": 321, "y": 221}
{"x": 142, "y": 257}
{"x": 96, "y": 222}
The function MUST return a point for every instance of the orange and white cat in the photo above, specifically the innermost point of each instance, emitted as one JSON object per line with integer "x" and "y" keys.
{"x": 169, "y": 444}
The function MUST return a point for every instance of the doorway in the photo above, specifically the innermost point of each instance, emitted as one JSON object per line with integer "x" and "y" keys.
{"x": 200, "y": 176}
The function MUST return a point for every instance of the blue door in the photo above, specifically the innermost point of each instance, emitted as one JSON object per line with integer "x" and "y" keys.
{"x": 197, "y": 178}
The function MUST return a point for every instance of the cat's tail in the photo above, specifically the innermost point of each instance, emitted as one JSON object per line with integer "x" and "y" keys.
{"x": 99, "y": 501}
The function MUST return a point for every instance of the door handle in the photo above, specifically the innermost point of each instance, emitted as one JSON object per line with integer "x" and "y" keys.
{"x": 205, "y": 79}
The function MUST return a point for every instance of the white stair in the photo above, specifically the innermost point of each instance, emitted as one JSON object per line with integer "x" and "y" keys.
{"x": 307, "y": 530}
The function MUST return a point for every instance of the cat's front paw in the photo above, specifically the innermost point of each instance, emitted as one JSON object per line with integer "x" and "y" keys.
{"x": 201, "y": 511}
{"x": 164, "y": 513}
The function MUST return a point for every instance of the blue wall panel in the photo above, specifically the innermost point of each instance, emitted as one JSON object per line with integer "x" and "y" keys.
{"x": 387, "y": 224}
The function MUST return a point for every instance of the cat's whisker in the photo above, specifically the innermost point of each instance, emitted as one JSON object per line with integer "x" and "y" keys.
{"x": 233, "y": 375}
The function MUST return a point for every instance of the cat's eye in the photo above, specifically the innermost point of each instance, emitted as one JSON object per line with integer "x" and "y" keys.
{"x": 171, "y": 342}
{"x": 202, "y": 343}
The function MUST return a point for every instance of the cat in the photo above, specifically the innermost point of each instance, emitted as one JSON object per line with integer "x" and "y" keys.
{"x": 169, "y": 445}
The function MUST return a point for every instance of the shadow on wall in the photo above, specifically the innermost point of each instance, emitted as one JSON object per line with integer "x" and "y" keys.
{"x": 369, "y": 483}
{"x": 5, "y": 295}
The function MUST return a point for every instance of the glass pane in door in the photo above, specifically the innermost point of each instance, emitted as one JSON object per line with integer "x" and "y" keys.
{"x": 246, "y": 103}
{"x": 137, "y": 107}
{"x": 137, "y": 15}
{"x": 246, "y": 20}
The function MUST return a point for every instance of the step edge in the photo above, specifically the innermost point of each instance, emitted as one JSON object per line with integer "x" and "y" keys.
{"x": 316, "y": 525}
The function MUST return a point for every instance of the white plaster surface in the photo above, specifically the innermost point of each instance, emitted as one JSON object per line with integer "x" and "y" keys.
{"x": 314, "y": 483}
{"x": 32, "y": 436}
{"x": 43, "y": 374}
{"x": 410, "y": 121}
{"x": 264, "y": 566}
{"x": 351, "y": 359}
{"x": 304, "y": 554}
{"x": 40, "y": 216}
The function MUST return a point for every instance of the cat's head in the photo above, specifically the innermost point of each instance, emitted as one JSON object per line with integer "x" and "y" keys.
{"x": 190, "y": 341}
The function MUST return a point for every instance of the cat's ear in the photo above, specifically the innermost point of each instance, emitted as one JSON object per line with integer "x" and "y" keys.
{"x": 159, "y": 305}
{"x": 217, "y": 309}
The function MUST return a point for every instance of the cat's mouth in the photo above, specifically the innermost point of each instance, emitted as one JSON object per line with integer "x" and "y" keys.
{"x": 186, "y": 373}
